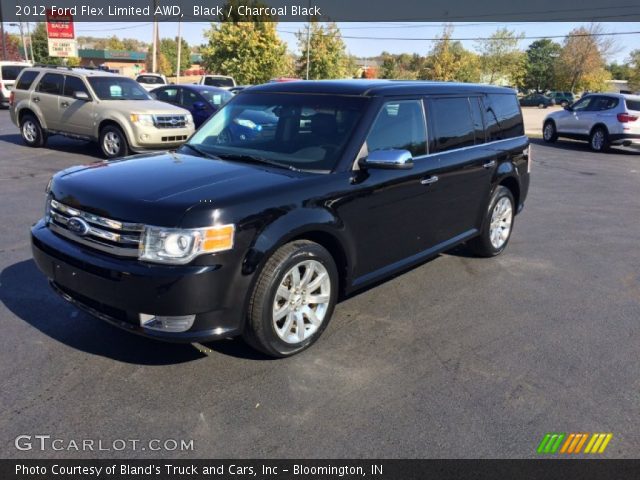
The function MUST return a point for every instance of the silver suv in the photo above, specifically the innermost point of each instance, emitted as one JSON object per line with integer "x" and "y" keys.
{"x": 95, "y": 105}
{"x": 602, "y": 119}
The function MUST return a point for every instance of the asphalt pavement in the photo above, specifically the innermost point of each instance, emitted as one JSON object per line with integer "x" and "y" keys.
{"x": 459, "y": 357}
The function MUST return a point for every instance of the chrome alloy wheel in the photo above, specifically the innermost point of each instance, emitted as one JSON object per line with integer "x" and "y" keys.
{"x": 111, "y": 143}
{"x": 29, "y": 131}
{"x": 548, "y": 131}
{"x": 501, "y": 219}
{"x": 597, "y": 140}
{"x": 301, "y": 301}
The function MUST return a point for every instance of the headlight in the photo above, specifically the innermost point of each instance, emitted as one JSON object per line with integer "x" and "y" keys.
{"x": 47, "y": 209}
{"x": 188, "y": 119}
{"x": 180, "y": 246}
{"x": 142, "y": 119}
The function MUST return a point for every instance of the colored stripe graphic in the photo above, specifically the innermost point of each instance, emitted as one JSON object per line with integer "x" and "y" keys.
{"x": 573, "y": 443}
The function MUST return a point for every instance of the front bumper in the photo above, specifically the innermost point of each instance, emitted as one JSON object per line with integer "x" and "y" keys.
{"x": 119, "y": 290}
{"x": 152, "y": 138}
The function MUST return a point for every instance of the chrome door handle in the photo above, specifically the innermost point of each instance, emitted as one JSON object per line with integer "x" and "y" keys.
{"x": 64, "y": 104}
{"x": 490, "y": 164}
{"x": 36, "y": 99}
{"x": 429, "y": 180}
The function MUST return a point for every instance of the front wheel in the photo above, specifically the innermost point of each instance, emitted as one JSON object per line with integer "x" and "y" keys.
{"x": 497, "y": 225}
{"x": 549, "y": 132}
{"x": 293, "y": 299}
{"x": 113, "y": 142}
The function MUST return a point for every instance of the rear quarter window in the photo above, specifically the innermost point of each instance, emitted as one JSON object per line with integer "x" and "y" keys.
{"x": 452, "y": 123}
{"x": 502, "y": 116}
{"x": 26, "y": 79}
{"x": 633, "y": 105}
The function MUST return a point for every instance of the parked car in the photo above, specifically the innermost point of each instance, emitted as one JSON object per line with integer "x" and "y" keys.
{"x": 9, "y": 71}
{"x": 537, "y": 100}
{"x": 261, "y": 236}
{"x": 200, "y": 100}
{"x": 111, "y": 109}
{"x": 220, "y": 81}
{"x": 602, "y": 119}
{"x": 150, "y": 81}
{"x": 562, "y": 98}
{"x": 238, "y": 88}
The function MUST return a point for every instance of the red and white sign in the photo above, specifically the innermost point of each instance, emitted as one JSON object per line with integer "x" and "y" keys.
{"x": 62, "y": 42}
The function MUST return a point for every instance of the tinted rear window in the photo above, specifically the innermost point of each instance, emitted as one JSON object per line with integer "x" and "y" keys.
{"x": 452, "y": 123}
{"x": 218, "y": 82}
{"x": 150, "y": 79}
{"x": 26, "y": 79}
{"x": 51, "y": 83}
{"x": 11, "y": 72}
{"x": 633, "y": 104}
{"x": 503, "y": 117}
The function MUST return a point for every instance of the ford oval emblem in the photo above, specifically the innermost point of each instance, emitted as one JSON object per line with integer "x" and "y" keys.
{"x": 174, "y": 121}
{"x": 78, "y": 226}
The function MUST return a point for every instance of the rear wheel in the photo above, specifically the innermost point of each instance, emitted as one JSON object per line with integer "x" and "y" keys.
{"x": 599, "y": 140}
{"x": 497, "y": 225}
{"x": 113, "y": 142}
{"x": 293, "y": 299}
{"x": 549, "y": 133}
{"x": 32, "y": 132}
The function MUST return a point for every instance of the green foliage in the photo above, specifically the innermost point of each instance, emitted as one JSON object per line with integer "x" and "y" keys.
{"x": 249, "y": 51}
{"x": 540, "y": 66}
{"x": 41, "y": 46}
{"x": 327, "y": 53}
{"x": 12, "y": 47}
{"x": 620, "y": 72}
{"x": 500, "y": 59}
{"x": 634, "y": 65}
{"x": 449, "y": 61}
{"x": 400, "y": 67}
{"x": 168, "y": 48}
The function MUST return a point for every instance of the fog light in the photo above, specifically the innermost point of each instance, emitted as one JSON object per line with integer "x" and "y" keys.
{"x": 144, "y": 136}
{"x": 167, "y": 324}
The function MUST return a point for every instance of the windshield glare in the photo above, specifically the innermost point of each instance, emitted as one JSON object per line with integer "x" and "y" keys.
{"x": 116, "y": 88}
{"x": 307, "y": 132}
{"x": 218, "y": 81}
{"x": 215, "y": 96}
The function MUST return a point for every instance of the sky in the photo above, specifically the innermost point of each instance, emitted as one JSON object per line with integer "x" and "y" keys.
{"x": 194, "y": 34}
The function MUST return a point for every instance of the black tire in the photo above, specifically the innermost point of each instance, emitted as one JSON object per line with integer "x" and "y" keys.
{"x": 261, "y": 332}
{"x": 32, "y": 133}
{"x": 564, "y": 103}
{"x": 482, "y": 244}
{"x": 113, "y": 142}
{"x": 599, "y": 140}
{"x": 549, "y": 132}
{"x": 542, "y": 105}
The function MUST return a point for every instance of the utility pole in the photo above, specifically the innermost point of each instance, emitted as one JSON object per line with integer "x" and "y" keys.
{"x": 4, "y": 46}
{"x": 155, "y": 37}
{"x": 24, "y": 45}
{"x": 30, "y": 43}
{"x": 179, "y": 52}
{"x": 308, "y": 45}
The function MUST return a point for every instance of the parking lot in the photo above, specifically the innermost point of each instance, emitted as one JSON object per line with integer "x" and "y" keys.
{"x": 460, "y": 357}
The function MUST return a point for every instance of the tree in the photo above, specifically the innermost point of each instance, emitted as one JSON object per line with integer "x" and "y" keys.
{"x": 250, "y": 50}
{"x": 12, "y": 47}
{"x": 540, "y": 66}
{"x": 634, "y": 66}
{"x": 169, "y": 48}
{"x": 400, "y": 67}
{"x": 41, "y": 46}
{"x": 163, "y": 65}
{"x": 327, "y": 52}
{"x": 114, "y": 43}
{"x": 500, "y": 59}
{"x": 620, "y": 72}
{"x": 448, "y": 61}
{"x": 581, "y": 64}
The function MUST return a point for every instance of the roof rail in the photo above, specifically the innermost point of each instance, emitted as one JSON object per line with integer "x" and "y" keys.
{"x": 44, "y": 65}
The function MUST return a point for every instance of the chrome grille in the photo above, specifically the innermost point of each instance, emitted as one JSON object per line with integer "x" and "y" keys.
{"x": 169, "y": 121}
{"x": 111, "y": 236}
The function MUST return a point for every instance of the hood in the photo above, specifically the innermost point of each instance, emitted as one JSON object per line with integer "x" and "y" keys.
{"x": 158, "y": 189}
{"x": 144, "y": 106}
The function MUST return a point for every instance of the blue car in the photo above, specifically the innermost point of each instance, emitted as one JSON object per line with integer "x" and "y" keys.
{"x": 201, "y": 100}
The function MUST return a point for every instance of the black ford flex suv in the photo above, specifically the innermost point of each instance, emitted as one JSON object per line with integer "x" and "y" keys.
{"x": 290, "y": 197}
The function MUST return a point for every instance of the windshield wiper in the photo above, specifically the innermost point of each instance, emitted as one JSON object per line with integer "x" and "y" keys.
{"x": 255, "y": 159}
{"x": 200, "y": 152}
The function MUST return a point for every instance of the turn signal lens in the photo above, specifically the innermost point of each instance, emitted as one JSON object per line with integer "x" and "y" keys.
{"x": 217, "y": 239}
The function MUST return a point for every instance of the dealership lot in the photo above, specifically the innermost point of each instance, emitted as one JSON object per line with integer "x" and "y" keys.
{"x": 460, "y": 357}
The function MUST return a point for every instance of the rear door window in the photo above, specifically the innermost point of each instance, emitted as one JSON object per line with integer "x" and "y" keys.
{"x": 451, "y": 122}
{"x": 51, "y": 83}
{"x": 26, "y": 79}
{"x": 400, "y": 125}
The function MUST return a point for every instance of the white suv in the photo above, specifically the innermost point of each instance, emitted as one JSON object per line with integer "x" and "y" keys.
{"x": 602, "y": 119}
{"x": 9, "y": 71}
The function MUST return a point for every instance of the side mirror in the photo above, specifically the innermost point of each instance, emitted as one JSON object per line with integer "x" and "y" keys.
{"x": 388, "y": 160}
{"x": 84, "y": 96}
{"x": 200, "y": 106}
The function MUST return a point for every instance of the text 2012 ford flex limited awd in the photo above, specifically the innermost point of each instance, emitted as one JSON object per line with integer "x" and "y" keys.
{"x": 290, "y": 197}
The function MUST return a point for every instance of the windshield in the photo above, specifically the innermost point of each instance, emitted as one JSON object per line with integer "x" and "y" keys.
{"x": 218, "y": 81}
{"x": 117, "y": 88}
{"x": 307, "y": 132}
{"x": 215, "y": 96}
{"x": 11, "y": 72}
